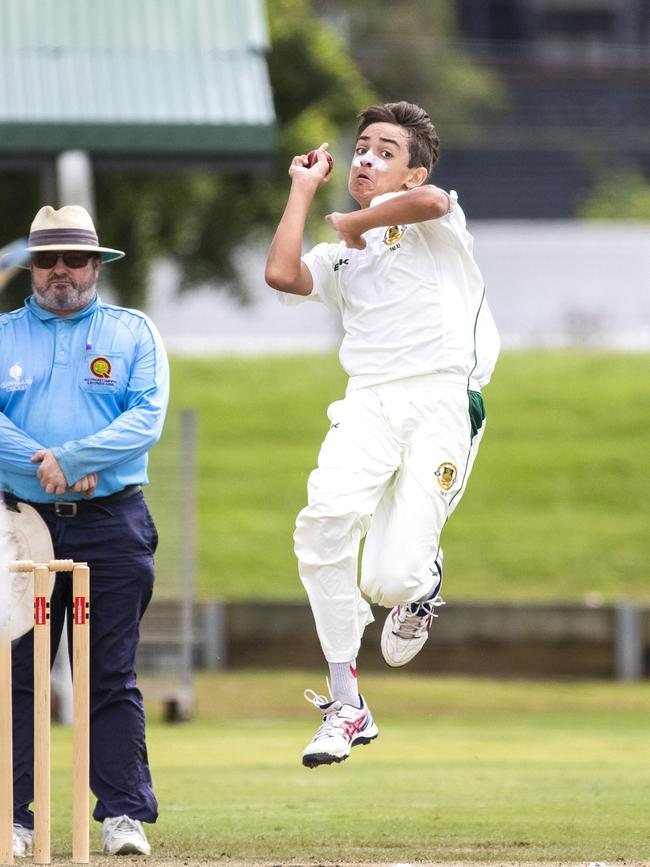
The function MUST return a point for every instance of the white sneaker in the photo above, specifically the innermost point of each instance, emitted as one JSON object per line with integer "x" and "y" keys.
{"x": 122, "y": 835}
{"x": 344, "y": 726}
{"x": 23, "y": 838}
{"x": 406, "y": 629}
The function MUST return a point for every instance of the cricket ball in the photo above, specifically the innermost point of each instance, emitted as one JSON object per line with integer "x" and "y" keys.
{"x": 312, "y": 157}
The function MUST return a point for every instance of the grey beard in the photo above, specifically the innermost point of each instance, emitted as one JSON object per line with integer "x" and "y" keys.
{"x": 74, "y": 298}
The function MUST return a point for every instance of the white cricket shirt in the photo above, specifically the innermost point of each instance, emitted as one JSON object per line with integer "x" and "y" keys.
{"x": 412, "y": 302}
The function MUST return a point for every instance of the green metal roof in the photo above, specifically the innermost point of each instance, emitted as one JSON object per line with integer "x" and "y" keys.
{"x": 135, "y": 76}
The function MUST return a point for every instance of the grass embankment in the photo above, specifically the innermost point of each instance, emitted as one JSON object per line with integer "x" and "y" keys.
{"x": 557, "y": 506}
{"x": 462, "y": 771}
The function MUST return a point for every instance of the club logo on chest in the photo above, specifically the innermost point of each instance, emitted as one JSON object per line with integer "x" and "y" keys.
{"x": 101, "y": 367}
{"x": 393, "y": 235}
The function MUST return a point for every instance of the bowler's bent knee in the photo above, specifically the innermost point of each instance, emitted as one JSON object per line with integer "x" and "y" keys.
{"x": 388, "y": 586}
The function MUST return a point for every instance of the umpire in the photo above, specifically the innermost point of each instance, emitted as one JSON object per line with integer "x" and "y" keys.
{"x": 83, "y": 394}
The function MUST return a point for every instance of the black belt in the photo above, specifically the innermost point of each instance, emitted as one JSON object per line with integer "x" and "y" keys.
{"x": 69, "y": 508}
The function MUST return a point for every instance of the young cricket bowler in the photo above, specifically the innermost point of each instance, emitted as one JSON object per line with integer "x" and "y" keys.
{"x": 419, "y": 343}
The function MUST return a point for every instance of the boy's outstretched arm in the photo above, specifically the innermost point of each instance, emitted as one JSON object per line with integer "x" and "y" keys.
{"x": 284, "y": 269}
{"x": 413, "y": 206}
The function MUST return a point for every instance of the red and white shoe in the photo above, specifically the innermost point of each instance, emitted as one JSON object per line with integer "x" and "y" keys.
{"x": 406, "y": 630}
{"x": 344, "y": 726}
{"x": 407, "y": 626}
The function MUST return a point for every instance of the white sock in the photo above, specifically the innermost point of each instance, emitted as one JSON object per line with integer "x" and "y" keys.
{"x": 343, "y": 677}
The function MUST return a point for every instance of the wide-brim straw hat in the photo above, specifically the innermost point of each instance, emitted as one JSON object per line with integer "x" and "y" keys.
{"x": 69, "y": 228}
{"x": 28, "y": 539}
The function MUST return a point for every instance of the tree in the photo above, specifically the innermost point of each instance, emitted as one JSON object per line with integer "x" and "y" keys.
{"x": 19, "y": 196}
{"x": 620, "y": 195}
{"x": 203, "y": 219}
{"x": 412, "y": 50}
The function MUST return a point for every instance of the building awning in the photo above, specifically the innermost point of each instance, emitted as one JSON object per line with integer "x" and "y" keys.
{"x": 135, "y": 77}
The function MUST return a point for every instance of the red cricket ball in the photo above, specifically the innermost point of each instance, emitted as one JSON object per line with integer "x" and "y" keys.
{"x": 313, "y": 158}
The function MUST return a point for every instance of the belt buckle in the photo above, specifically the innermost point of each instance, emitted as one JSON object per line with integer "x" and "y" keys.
{"x": 65, "y": 510}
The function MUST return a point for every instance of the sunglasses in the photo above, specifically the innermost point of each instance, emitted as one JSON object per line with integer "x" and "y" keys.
{"x": 71, "y": 259}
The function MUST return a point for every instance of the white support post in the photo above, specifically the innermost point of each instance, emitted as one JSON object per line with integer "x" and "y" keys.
{"x": 629, "y": 642}
{"x": 74, "y": 180}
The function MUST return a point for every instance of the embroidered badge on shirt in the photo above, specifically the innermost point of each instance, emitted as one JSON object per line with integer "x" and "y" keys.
{"x": 101, "y": 367}
{"x": 446, "y": 475}
{"x": 393, "y": 235}
{"x": 101, "y": 370}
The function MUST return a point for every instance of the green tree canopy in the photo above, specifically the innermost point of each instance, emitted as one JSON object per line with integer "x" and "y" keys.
{"x": 412, "y": 50}
{"x": 19, "y": 196}
{"x": 623, "y": 194}
{"x": 202, "y": 219}
{"x": 323, "y": 70}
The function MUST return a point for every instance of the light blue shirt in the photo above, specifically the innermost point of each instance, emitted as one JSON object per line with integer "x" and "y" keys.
{"x": 93, "y": 387}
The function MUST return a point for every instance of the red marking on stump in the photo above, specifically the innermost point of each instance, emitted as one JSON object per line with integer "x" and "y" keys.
{"x": 80, "y": 610}
{"x": 41, "y": 613}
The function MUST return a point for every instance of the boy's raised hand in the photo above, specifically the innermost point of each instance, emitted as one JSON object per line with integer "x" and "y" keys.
{"x": 319, "y": 171}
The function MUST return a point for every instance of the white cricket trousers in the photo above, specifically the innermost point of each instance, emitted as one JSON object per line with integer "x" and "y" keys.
{"x": 393, "y": 465}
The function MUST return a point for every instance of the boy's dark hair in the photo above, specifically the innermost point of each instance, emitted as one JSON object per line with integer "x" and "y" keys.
{"x": 423, "y": 138}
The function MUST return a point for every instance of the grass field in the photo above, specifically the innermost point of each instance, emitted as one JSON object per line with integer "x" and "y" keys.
{"x": 557, "y": 506}
{"x": 470, "y": 771}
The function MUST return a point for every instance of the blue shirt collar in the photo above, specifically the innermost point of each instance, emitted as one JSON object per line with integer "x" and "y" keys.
{"x": 32, "y": 304}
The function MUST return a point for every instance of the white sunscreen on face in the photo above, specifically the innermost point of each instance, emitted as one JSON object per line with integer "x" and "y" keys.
{"x": 369, "y": 160}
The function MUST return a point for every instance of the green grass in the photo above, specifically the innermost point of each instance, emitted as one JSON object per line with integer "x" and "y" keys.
{"x": 463, "y": 770}
{"x": 556, "y": 508}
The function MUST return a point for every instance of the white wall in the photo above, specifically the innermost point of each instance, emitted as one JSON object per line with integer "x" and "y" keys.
{"x": 564, "y": 283}
{"x": 548, "y": 283}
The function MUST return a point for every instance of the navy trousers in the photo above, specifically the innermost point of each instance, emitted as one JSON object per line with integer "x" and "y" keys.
{"x": 118, "y": 541}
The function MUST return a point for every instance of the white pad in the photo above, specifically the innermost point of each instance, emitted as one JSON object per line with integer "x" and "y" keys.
{"x": 24, "y": 535}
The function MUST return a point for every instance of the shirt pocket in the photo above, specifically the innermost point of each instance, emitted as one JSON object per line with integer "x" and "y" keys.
{"x": 103, "y": 373}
